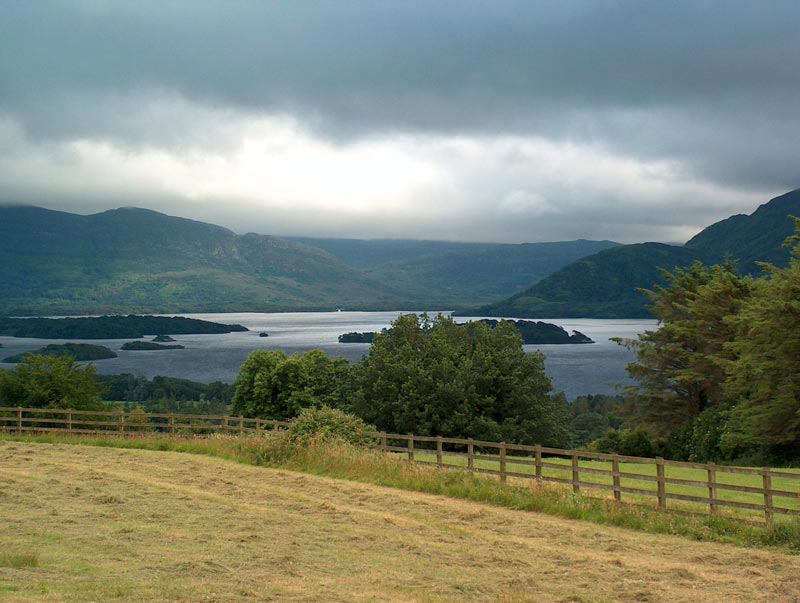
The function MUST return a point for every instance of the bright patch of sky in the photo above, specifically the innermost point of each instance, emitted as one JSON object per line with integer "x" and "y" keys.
{"x": 506, "y": 121}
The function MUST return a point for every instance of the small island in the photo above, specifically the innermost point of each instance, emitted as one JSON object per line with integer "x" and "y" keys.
{"x": 162, "y": 338}
{"x": 79, "y": 351}
{"x": 540, "y": 333}
{"x": 263, "y": 334}
{"x": 148, "y": 346}
{"x": 111, "y": 327}
{"x": 354, "y": 337}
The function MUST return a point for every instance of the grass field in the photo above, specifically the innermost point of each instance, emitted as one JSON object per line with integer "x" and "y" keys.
{"x": 649, "y": 470}
{"x": 87, "y": 524}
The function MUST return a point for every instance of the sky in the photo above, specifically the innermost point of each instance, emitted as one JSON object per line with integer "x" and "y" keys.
{"x": 501, "y": 121}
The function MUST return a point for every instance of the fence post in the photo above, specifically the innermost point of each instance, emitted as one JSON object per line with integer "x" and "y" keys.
{"x": 576, "y": 475}
{"x": 410, "y": 448}
{"x": 258, "y": 424}
{"x": 121, "y": 421}
{"x": 19, "y": 421}
{"x": 470, "y": 455}
{"x": 615, "y": 477}
{"x": 225, "y": 423}
{"x": 502, "y": 462}
{"x": 662, "y": 486}
{"x": 384, "y": 443}
{"x": 767, "y": 477}
{"x": 172, "y": 423}
{"x": 712, "y": 488}
{"x": 439, "y": 451}
{"x": 241, "y": 425}
{"x": 538, "y": 452}
{"x": 69, "y": 420}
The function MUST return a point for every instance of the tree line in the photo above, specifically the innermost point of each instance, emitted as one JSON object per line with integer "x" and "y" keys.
{"x": 427, "y": 376}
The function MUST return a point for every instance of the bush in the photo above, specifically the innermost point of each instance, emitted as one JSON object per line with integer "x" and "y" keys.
{"x": 329, "y": 424}
{"x": 627, "y": 442}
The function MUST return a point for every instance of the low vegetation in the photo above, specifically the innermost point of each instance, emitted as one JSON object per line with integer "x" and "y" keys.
{"x": 79, "y": 351}
{"x": 110, "y": 327}
{"x": 149, "y": 346}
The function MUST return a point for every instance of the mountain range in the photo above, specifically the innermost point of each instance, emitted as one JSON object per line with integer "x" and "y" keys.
{"x": 607, "y": 284}
{"x": 136, "y": 260}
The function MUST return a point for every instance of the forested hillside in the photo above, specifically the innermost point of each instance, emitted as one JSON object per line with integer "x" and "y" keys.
{"x": 135, "y": 260}
{"x": 606, "y": 285}
{"x": 457, "y": 274}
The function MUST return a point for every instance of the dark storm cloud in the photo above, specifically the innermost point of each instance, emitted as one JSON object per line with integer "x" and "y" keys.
{"x": 712, "y": 87}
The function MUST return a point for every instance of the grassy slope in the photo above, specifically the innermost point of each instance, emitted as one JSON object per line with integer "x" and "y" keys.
{"x": 91, "y": 524}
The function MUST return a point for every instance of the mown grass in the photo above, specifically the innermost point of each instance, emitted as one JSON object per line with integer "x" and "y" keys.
{"x": 334, "y": 459}
{"x": 138, "y": 526}
{"x": 19, "y": 560}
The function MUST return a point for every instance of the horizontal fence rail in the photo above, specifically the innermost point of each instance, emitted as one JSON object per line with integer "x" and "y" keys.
{"x": 38, "y": 420}
{"x": 765, "y": 490}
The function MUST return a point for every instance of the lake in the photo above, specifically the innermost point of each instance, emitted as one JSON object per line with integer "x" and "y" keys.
{"x": 574, "y": 368}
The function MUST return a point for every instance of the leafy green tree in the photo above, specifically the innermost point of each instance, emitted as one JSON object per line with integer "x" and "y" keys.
{"x": 592, "y": 416}
{"x": 681, "y": 366}
{"x": 272, "y": 385}
{"x": 764, "y": 378}
{"x": 50, "y": 382}
{"x": 435, "y": 377}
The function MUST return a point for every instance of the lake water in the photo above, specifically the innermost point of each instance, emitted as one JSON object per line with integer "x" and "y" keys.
{"x": 574, "y": 368}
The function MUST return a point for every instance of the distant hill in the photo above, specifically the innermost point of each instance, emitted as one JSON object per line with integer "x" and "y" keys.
{"x": 605, "y": 285}
{"x": 133, "y": 260}
{"x": 136, "y": 260}
{"x": 757, "y": 237}
{"x": 139, "y": 261}
{"x": 456, "y": 274}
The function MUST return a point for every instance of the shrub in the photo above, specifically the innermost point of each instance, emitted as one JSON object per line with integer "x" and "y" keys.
{"x": 628, "y": 442}
{"x": 329, "y": 424}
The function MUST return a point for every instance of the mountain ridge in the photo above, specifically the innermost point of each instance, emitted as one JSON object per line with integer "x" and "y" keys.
{"x": 134, "y": 260}
{"x": 607, "y": 284}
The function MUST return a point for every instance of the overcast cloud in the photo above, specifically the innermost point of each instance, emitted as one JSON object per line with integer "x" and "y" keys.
{"x": 483, "y": 121}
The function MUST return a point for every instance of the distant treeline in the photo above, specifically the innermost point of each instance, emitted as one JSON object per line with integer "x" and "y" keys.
{"x": 110, "y": 327}
{"x": 145, "y": 346}
{"x": 353, "y": 337}
{"x": 537, "y": 332}
{"x": 78, "y": 351}
{"x": 166, "y": 394}
{"x": 533, "y": 332}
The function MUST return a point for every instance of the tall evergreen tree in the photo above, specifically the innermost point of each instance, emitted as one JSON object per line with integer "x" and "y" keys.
{"x": 681, "y": 366}
{"x": 765, "y": 376}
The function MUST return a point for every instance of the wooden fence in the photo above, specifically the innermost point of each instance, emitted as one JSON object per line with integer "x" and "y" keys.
{"x": 764, "y": 490}
{"x": 43, "y": 420}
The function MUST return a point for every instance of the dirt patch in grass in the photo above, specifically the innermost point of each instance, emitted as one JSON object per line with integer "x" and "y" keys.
{"x": 129, "y": 525}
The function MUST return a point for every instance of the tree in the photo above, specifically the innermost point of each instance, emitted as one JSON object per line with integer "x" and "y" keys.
{"x": 591, "y": 416}
{"x": 272, "y": 385}
{"x": 435, "y": 377}
{"x": 50, "y": 382}
{"x": 764, "y": 378}
{"x": 681, "y": 366}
